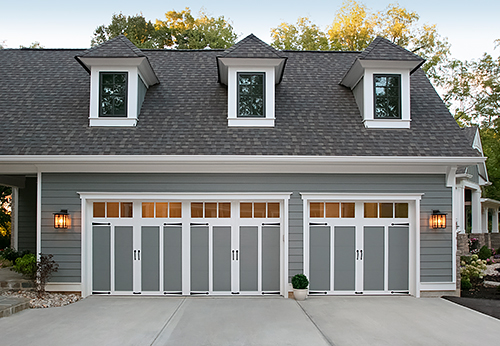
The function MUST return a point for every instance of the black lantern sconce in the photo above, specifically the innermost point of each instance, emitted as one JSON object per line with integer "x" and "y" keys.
{"x": 61, "y": 219}
{"x": 438, "y": 220}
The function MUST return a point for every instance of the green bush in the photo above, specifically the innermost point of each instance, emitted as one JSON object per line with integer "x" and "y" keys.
{"x": 484, "y": 253}
{"x": 465, "y": 259}
{"x": 465, "y": 284}
{"x": 12, "y": 254}
{"x": 26, "y": 265}
{"x": 300, "y": 282}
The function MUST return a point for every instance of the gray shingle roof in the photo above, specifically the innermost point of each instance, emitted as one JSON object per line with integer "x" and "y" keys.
{"x": 44, "y": 109}
{"x": 251, "y": 47}
{"x": 119, "y": 46}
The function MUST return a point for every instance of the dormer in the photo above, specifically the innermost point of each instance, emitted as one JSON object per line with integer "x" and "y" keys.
{"x": 120, "y": 75}
{"x": 380, "y": 81}
{"x": 251, "y": 69}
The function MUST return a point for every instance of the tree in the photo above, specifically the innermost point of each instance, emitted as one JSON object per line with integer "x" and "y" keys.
{"x": 5, "y": 207}
{"x": 140, "y": 32}
{"x": 355, "y": 26}
{"x": 302, "y": 36}
{"x": 203, "y": 32}
{"x": 472, "y": 92}
{"x": 34, "y": 45}
{"x": 180, "y": 30}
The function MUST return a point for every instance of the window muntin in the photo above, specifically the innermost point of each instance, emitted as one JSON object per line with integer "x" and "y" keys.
{"x": 113, "y": 94}
{"x": 387, "y": 96}
{"x": 251, "y": 91}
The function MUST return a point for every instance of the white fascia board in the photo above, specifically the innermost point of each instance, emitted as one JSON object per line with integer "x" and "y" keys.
{"x": 25, "y": 164}
{"x": 389, "y": 64}
{"x": 490, "y": 203}
{"x": 179, "y": 196}
{"x": 111, "y": 62}
{"x": 306, "y": 196}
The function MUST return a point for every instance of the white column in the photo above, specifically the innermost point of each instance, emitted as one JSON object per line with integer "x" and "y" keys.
{"x": 484, "y": 220}
{"x": 14, "y": 219}
{"x": 476, "y": 211}
{"x": 460, "y": 208}
{"x": 494, "y": 227}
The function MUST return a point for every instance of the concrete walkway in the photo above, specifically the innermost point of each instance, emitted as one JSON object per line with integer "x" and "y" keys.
{"x": 251, "y": 321}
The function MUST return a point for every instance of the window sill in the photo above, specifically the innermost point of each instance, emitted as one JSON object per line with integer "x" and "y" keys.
{"x": 250, "y": 122}
{"x": 112, "y": 122}
{"x": 387, "y": 123}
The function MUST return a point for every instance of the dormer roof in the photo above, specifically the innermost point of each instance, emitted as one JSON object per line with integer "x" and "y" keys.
{"x": 252, "y": 47}
{"x": 251, "y": 52}
{"x": 118, "y": 47}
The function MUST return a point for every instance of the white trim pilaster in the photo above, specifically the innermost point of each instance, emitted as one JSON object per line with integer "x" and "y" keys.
{"x": 38, "y": 214}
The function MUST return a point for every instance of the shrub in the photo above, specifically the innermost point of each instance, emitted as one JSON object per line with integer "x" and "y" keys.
{"x": 12, "y": 254}
{"x": 484, "y": 253}
{"x": 38, "y": 272}
{"x": 465, "y": 284}
{"x": 26, "y": 265}
{"x": 465, "y": 260}
{"x": 300, "y": 282}
{"x": 474, "y": 270}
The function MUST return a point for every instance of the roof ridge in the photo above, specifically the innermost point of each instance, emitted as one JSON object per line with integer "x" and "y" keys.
{"x": 119, "y": 45}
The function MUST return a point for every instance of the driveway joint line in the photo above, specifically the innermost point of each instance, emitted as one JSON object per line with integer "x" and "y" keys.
{"x": 168, "y": 321}
{"x": 330, "y": 342}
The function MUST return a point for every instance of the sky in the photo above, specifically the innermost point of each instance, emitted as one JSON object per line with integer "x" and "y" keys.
{"x": 470, "y": 26}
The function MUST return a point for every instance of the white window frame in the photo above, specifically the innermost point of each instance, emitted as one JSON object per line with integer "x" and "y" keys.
{"x": 132, "y": 96}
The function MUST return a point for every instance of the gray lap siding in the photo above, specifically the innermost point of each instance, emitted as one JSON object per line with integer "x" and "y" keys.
{"x": 59, "y": 191}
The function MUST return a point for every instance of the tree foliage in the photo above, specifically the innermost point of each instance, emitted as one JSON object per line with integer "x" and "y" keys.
{"x": 35, "y": 45}
{"x": 354, "y": 28}
{"x": 5, "y": 208}
{"x": 180, "y": 30}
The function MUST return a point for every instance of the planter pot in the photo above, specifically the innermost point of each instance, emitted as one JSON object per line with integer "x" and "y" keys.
{"x": 300, "y": 294}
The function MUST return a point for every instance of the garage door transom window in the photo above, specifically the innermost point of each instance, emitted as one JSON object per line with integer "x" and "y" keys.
{"x": 256, "y": 210}
{"x": 332, "y": 210}
{"x": 113, "y": 209}
{"x": 385, "y": 210}
{"x": 161, "y": 210}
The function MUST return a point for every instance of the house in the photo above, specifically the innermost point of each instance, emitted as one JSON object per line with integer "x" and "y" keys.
{"x": 178, "y": 172}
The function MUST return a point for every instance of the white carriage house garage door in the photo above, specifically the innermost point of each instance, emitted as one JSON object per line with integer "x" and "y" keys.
{"x": 185, "y": 244}
{"x": 361, "y": 244}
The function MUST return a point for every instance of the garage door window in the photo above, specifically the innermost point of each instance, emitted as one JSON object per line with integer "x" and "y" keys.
{"x": 211, "y": 210}
{"x": 250, "y": 210}
{"x": 386, "y": 210}
{"x": 113, "y": 209}
{"x": 161, "y": 210}
{"x": 332, "y": 209}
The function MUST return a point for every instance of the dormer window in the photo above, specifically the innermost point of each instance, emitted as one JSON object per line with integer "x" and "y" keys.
{"x": 387, "y": 96}
{"x": 113, "y": 94}
{"x": 251, "y": 95}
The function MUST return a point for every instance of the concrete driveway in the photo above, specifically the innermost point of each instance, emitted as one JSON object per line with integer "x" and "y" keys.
{"x": 251, "y": 321}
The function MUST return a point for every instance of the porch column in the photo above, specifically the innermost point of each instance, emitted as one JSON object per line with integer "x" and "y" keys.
{"x": 484, "y": 220}
{"x": 460, "y": 208}
{"x": 476, "y": 211}
{"x": 494, "y": 228}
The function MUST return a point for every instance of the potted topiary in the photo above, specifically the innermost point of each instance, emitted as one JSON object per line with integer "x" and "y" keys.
{"x": 299, "y": 284}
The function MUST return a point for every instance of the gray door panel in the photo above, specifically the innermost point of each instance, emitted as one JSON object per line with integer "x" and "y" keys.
{"x": 398, "y": 258}
{"x": 270, "y": 258}
{"x": 344, "y": 258}
{"x": 319, "y": 258}
{"x": 199, "y": 258}
{"x": 101, "y": 258}
{"x": 248, "y": 258}
{"x": 172, "y": 258}
{"x": 150, "y": 258}
{"x": 373, "y": 258}
{"x": 124, "y": 258}
{"x": 222, "y": 258}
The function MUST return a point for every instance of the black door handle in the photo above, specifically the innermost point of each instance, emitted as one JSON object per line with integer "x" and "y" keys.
{"x": 357, "y": 255}
{"x": 139, "y": 255}
{"x": 233, "y": 254}
{"x": 236, "y": 254}
{"x": 135, "y": 255}
{"x": 361, "y": 251}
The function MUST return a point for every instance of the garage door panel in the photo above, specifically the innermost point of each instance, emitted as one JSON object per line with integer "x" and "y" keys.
{"x": 101, "y": 258}
{"x": 344, "y": 260}
{"x": 249, "y": 237}
{"x": 199, "y": 258}
{"x": 123, "y": 258}
{"x": 398, "y": 258}
{"x": 172, "y": 258}
{"x": 319, "y": 273}
{"x": 222, "y": 258}
{"x": 373, "y": 258}
{"x": 270, "y": 258}
{"x": 150, "y": 258}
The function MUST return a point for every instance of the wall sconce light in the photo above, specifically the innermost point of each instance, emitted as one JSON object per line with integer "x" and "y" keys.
{"x": 438, "y": 220}
{"x": 61, "y": 219}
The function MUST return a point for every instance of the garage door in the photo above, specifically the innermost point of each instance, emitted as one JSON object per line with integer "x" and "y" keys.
{"x": 358, "y": 247}
{"x": 191, "y": 247}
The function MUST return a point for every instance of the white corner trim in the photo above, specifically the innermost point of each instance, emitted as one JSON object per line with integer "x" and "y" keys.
{"x": 38, "y": 214}
{"x": 64, "y": 287}
{"x": 438, "y": 286}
